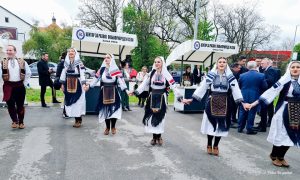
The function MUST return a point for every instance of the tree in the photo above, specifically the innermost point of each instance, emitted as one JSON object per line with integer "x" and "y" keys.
{"x": 297, "y": 48}
{"x": 52, "y": 40}
{"x": 101, "y": 14}
{"x": 137, "y": 21}
{"x": 243, "y": 25}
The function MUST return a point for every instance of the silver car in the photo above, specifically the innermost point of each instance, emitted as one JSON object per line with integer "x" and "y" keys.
{"x": 34, "y": 71}
{"x": 89, "y": 73}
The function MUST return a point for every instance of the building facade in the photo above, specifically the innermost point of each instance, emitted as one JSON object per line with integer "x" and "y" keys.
{"x": 13, "y": 30}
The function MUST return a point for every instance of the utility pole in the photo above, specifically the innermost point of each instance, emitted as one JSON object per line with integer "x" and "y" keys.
{"x": 197, "y": 19}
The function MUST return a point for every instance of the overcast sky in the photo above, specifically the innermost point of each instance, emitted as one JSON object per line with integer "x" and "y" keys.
{"x": 283, "y": 13}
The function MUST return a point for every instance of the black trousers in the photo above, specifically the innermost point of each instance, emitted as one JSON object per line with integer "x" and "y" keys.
{"x": 78, "y": 119}
{"x": 43, "y": 91}
{"x": 15, "y": 104}
{"x": 156, "y": 136}
{"x": 111, "y": 122}
{"x": 270, "y": 110}
{"x": 279, "y": 151}
{"x": 266, "y": 114}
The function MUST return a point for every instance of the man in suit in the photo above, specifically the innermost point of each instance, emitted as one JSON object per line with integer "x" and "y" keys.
{"x": 235, "y": 68}
{"x": 242, "y": 61}
{"x": 252, "y": 84}
{"x": 272, "y": 76}
{"x": 258, "y": 65}
{"x": 45, "y": 80}
{"x": 197, "y": 74}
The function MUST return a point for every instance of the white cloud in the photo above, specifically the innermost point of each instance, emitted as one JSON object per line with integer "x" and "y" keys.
{"x": 42, "y": 10}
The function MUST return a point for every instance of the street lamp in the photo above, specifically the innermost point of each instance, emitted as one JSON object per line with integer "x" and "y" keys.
{"x": 295, "y": 36}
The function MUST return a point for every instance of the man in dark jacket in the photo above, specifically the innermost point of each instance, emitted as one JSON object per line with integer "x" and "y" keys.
{"x": 242, "y": 61}
{"x": 235, "y": 68}
{"x": 45, "y": 80}
{"x": 197, "y": 74}
{"x": 252, "y": 84}
{"x": 272, "y": 76}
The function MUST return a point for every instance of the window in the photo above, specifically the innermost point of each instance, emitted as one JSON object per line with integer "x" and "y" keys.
{"x": 6, "y": 20}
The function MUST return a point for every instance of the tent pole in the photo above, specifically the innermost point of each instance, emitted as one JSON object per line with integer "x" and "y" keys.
{"x": 211, "y": 59}
{"x": 80, "y": 48}
{"x": 181, "y": 79}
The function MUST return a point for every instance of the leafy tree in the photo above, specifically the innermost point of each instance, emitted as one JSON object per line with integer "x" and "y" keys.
{"x": 137, "y": 21}
{"x": 297, "y": 48}
{"x": 52, "y": 40}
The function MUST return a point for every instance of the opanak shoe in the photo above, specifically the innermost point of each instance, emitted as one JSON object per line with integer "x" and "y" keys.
{"x": 284, "y": 163}
{"x": 14, "y": 125}
{"x": 215, "y": 151}
{"x": 160, "y": 141}
{"x": 153, "y": 142}
{"x": 277, "y": 162}
{"x": 113, "y": 131}
{"x": 209, "y": 150}
{"x": 106, "y": 132}
{"x": 21, "y": 126}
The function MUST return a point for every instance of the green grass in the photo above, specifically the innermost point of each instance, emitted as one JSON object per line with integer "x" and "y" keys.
{"x": 33, "y": 95}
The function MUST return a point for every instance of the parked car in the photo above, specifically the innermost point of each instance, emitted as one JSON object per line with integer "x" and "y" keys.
{"x": 89, "y": 73}
{"x": 34, "y": 71}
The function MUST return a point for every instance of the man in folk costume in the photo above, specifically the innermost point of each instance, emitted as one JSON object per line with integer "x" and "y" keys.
{"x": 111, "y": 82}
{"x": 156, "y": 105}
{"x": 15, "y": 73}
{"x": 285, "y": 125}
{"x": 74, "y": 86}
{"x": 220, "y": 83}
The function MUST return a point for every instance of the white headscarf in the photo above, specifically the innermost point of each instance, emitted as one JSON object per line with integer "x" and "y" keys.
{"x": 214, "y": 71}
{"x": 164, "y": 71}
{"x": 76, "y": 58}
{"x": 287, "y": 75}
{"x": 113, "y": 68}
{"x": 268, "y": 96}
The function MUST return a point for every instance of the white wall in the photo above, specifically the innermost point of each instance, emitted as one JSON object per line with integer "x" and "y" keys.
{"x": 23, "y": 30}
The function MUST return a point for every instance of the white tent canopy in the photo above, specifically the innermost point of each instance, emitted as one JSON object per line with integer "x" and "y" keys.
{"x": 90, "y": 42}
{"x": 201, "y": 52}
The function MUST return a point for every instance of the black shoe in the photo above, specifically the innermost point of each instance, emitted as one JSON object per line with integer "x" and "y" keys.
{"x": 240, "y": 131}
{"x": 55, "y": 101}
{"x": 251, "y": 132}
{"x": 124, "y": 109}
{"x": 260, "y": 129}
{"x": 65, "y": 116}
{"x": 128, "y": 109}
{"x": 45, "y": 105}
{"x": 233, "y": 126}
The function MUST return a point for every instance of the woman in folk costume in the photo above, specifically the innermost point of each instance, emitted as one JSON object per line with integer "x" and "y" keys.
{"x": 285, "y": 127}
{"x": 109, "y": 104}
{"x": 156, "y": 105}
{"x": 220, "y": 83}
{"x": 74, "y": 86}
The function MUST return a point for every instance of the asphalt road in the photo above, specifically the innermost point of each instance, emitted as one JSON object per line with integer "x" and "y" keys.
{"x": 50, "y": 148}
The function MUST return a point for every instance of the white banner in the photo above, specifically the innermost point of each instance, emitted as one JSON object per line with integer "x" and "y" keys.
{"x": 97, "y": 36}
{"x": 215, "y": 47}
